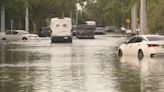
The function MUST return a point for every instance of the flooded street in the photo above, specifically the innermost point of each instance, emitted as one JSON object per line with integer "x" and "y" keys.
{"x": 86, "y": 65}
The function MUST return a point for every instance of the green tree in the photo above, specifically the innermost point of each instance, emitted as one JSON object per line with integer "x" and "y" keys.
{"x": 155, "y": 16}
{"x": 39, "y": 11}
{"x": 109, "y": 12}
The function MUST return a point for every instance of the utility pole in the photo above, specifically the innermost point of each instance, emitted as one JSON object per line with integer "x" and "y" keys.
{"x": 2, "y": 19}
{"x": 71, "y": 14}
{"x": 134, "y": 18}
{"x": 27, "y": 18}
{"x": 143, "y": 17}
{"x": 11, "y": 24}
{"x": 77, "y": 17}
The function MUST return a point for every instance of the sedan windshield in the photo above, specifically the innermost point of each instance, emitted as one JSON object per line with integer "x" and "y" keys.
{"x": 23, "y": 32}
{"x": 155, "y": 38}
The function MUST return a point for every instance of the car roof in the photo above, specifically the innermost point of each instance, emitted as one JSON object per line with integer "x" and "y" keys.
{"x": 22, "y": 31}
{"x": 145, "y": 36}
{"x": 148, "y": 35}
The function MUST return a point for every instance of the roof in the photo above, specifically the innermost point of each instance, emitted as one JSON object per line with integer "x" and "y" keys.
{"x": 148, "y": 35}
{"x": 21, "y": 31}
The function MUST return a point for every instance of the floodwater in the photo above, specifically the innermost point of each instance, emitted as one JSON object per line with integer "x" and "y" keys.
{"x": 86, "y": 65}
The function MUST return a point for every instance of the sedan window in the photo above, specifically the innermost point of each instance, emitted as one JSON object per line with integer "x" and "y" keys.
{"x": 14, "y": 33}
{"x": 8, "y": 32}
{"x": 139, "y": 39}
{"x": 133, "y": 40}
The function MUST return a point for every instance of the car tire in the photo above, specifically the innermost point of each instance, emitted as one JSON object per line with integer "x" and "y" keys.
{"x": 24, "y": 38}
{"x": 120, "y": 54}
{"x": 140, "y": 55}
{"x": 70, "y": 40}
{"x": 4, "y": 39}
{"x": 151, "y": 55}
{"x": 52, "y": 40}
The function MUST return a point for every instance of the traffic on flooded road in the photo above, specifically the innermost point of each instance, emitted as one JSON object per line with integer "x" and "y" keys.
{"x": 85, "y": 65}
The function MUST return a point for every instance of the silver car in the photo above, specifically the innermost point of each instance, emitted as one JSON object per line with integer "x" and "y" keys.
{"x": 15, "y": 35}
{"x": 100, "y": 30}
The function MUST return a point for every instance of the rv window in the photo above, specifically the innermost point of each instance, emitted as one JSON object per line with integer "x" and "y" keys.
{"x": 57, "y": 25}
{"x": 64, "y": 25}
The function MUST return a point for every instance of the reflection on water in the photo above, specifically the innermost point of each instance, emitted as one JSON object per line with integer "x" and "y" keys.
{"x": 129, "y": 74}
{"x": 18, "y": 67}
{"x": 84, "y": 66}
{"x": 151, "y": 72}
{"x": 152, "y": 75}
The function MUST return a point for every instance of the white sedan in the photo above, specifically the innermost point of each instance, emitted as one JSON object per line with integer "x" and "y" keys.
{"x": 15, "y": 35}
{"x": 143, "y": 45}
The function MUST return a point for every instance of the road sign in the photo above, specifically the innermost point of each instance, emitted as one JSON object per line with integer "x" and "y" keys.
{"x": 128, "y": 20}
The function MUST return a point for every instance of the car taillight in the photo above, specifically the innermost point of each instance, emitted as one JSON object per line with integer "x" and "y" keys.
{"x": 153, "y": 45}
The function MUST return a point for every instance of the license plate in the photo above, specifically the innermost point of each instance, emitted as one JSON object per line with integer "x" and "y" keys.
{"x": 65, "y": 37}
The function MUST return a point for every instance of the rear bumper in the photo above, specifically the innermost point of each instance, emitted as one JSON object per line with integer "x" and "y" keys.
{"x": 60, "y": 38}
{"x": 100, "y": 33}
{"x": 85, "y": 36}
{"x": 159, "y": 51}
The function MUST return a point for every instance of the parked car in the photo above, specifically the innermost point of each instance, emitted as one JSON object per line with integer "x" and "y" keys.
{"x": 45, "y": 32}
{"x": 123, "y": 30}
{"x": 100, "y": 30}
{"x": 85, "y": 31}
{"x": 14, "y": 35}
{"x": 130, "y": 33}
{"x": 143, "y": 45}
{"x": 109, "y": 28}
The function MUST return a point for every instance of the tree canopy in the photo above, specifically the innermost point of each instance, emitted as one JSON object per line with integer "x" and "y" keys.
{"x": 155, "y": 16}
{"x": 104, "y": 12}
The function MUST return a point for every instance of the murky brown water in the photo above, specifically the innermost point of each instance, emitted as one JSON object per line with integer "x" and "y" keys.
{"x": 84, "y": 66}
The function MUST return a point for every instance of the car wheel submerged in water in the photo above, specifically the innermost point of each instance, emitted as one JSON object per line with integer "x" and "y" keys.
{"x": 140, "y": 55}
{"x": 120, "y": 53}
{"x": 69, "y": 40}
{"x": 24, "y": 38}
{"x": 151, "y": 55}
{"x": 3, "y": 39}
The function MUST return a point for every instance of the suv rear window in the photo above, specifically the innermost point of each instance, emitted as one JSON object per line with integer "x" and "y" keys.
{"x": 86, "y": 27}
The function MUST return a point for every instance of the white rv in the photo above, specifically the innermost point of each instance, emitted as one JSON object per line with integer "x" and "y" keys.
{"x": 61, "y": 29}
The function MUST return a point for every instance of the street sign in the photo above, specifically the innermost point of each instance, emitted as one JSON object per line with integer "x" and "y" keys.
{"x": 128, "y": 20}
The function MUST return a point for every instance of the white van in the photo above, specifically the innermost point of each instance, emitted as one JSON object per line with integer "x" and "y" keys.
{"x": 61, "y": 29}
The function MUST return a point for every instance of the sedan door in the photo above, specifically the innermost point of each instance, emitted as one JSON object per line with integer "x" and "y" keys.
{"x": 12, "y": 36}
{"x": 136, "y": 45}
{"x": 130, "y": 46}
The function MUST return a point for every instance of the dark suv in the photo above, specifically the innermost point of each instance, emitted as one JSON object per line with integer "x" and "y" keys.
{"x": 45, "y": 32}
{"x": 85, "y": 31}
